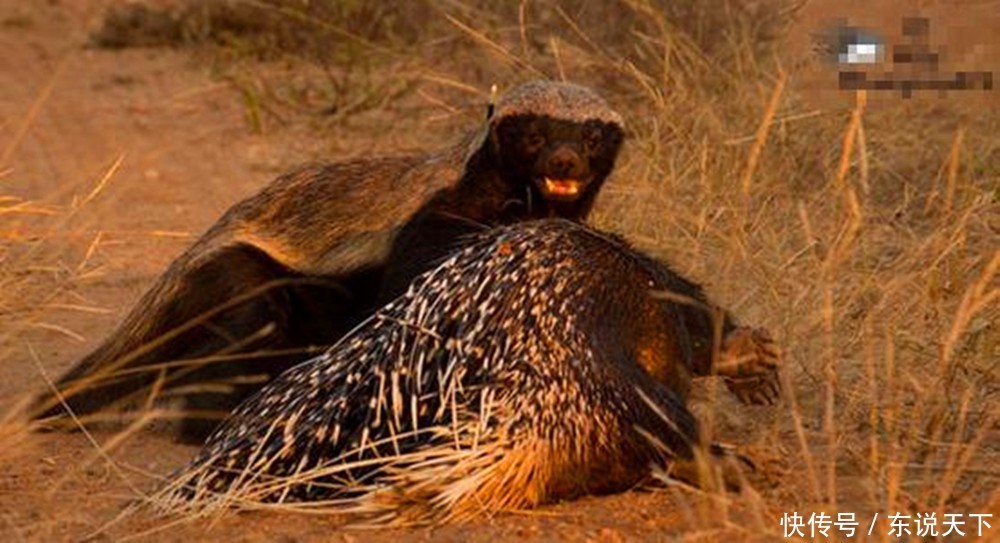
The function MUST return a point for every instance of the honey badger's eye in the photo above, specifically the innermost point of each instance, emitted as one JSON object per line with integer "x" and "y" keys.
{"x": 507, "y": 133}
{"x": 593, "y": 139}
{"x": 534, "y": 139}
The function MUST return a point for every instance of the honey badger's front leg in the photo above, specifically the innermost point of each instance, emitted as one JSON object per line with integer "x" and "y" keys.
{"x": 748, "y": 364}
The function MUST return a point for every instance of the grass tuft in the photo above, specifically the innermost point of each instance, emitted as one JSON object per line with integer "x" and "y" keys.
{"x": 862, "y": 232}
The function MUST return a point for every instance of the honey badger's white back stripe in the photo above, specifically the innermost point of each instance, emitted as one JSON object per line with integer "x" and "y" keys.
{"x": 561, "y": 100}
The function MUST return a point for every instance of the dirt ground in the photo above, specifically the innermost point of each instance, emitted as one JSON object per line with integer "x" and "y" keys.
{"x": 138, "y": 151}
{"x": 185, "y": 154}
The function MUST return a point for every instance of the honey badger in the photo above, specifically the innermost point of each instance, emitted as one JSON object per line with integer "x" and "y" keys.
{"x": 309, "y": 256}
{"x": 543, "y": 361}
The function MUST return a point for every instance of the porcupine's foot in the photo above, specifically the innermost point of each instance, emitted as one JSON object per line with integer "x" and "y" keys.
{"x": 748, "y": 363}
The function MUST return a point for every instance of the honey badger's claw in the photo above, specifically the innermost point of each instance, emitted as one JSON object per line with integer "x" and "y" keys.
{"x": 749, "y": 364}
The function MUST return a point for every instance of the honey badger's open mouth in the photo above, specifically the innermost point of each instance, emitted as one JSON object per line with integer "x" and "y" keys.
{"x": 561, "y": 189}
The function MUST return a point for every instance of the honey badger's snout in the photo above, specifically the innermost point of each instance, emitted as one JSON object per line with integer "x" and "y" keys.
{"x": 564, "y": 162}
{"x": 563, "y": 173}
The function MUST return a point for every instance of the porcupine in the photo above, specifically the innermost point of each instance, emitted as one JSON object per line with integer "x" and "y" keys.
{"x": 543, "y": 361}
{"x": 305, "y": 259}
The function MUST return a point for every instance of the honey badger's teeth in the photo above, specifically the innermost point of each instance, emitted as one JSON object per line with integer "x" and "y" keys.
{"x": 562, "y": 187}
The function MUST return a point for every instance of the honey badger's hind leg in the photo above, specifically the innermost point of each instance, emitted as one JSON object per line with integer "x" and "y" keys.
{"x": 191, "y": 312}
{"x": 206, "y": 335}
{"x": 291, "y": 318}
{"x": 298, "y": 318}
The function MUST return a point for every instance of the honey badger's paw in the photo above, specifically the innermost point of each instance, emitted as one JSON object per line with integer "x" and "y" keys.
{"x": 748, "y": 363}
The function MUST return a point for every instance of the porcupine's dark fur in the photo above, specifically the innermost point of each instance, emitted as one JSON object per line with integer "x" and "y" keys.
{"x": 304, "y": 260}
{"x": 524, "y": 369}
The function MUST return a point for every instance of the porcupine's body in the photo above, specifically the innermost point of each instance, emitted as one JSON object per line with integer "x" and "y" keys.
{"x": 298, "y": 264}
{"x": 524, "y": 369}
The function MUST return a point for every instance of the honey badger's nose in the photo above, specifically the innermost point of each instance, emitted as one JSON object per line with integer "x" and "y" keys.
{"x": 564, "y": 163}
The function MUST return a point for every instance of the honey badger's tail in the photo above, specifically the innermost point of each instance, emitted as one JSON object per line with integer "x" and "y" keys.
{"x": 237, "y": 303}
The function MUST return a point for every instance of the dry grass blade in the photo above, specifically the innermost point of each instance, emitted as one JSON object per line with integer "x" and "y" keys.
{"x": 492, "y": 45}
{"x": 870, "y": 246}
{"x": 762, "y": 131}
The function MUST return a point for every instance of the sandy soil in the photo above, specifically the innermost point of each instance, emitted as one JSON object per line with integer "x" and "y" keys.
{"x": 180, "y": 150}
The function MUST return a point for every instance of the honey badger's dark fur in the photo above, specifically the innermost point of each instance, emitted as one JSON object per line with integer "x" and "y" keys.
{"x": 536, "y": 364}
{"x": 301, "y": 262}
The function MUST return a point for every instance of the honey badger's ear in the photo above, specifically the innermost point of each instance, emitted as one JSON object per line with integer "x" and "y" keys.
{"x": 626, "y": 133}
{"x": 616, "y": 135}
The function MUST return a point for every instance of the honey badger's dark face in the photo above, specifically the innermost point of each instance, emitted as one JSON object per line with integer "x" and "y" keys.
{"x": 558, "y": 160}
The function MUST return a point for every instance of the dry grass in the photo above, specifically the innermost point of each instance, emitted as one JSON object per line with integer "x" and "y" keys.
{"x": 863, "y": 235}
